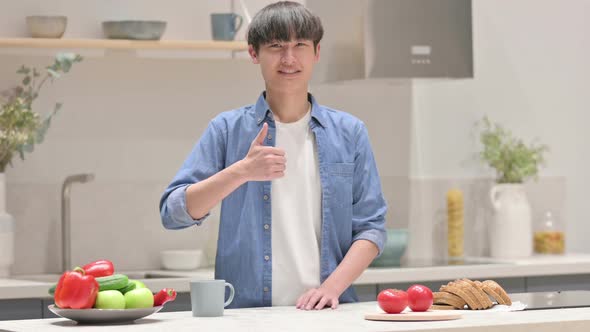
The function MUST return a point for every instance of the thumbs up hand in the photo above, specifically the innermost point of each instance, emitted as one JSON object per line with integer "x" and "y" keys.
{"x": 264, "y": 163}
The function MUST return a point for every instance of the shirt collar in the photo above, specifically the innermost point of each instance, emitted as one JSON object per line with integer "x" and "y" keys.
{"x": 262, "y": 110}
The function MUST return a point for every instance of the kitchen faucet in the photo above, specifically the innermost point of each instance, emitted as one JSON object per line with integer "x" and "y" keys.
{"x": 66, "y": 258}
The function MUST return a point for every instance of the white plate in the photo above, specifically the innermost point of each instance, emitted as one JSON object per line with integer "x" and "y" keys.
{"x": 101, "y": 316}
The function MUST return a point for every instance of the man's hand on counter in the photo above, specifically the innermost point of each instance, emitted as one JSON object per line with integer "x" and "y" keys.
{"x": 318, "y": 298}
{"x": 356, "y": 260}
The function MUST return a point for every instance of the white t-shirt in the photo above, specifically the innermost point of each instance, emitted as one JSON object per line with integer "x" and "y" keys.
{"x": 296, "y": 214}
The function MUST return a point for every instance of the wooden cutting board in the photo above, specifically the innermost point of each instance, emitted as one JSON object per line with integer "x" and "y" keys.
{"x": 415, "y": 316}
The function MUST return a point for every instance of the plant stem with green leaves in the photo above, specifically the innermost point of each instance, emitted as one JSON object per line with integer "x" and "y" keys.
{"x": 20, "y": 127}
{"x": 512, "y": 159}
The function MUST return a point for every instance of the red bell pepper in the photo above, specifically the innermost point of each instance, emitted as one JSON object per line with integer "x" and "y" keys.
{"x": 163, "y": 296}
{"x": 100, "y": 268}
{"x": 76, "y": 290}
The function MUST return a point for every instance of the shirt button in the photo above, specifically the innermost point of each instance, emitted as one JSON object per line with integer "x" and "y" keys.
{"x": 269, "y": 136}
{"x": 265, "y": 197}
{"x": 266, "y": 226}
{"x": 265, "y": 289}
{"x": 267, "y": 257}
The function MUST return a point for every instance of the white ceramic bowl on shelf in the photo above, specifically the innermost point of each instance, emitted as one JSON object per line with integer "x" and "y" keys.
{"x": 47, "y": 26}
{"x": 183, "y": 259}
{"x": 134, "y": 30}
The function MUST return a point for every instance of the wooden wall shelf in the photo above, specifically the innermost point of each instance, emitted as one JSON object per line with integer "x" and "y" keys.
{"x": 70, "y": 43}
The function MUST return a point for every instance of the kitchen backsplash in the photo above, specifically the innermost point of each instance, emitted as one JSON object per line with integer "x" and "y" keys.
{"x": 133, "y": 131}
{"x": 428, "y": 213}
{"x": 133, "y": 128}
{"x": 132, "y": 120}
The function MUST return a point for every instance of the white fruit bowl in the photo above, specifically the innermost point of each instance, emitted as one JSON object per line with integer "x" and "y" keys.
{"x": 182, "y": 259}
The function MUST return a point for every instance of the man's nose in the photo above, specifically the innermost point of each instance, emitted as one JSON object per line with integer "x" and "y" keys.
{"x": 287, "y": 57}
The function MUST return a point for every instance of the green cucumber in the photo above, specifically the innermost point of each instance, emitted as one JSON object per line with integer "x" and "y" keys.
{"x": 129, "y": 287}
{"x": 52, "y": 290}
{"x": 113, "y": 282}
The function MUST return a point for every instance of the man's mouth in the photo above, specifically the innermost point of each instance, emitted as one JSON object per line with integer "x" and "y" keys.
{"x": 289, "y": 71}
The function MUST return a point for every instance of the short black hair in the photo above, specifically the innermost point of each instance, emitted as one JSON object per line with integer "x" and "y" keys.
{"x": 284, "y": 21}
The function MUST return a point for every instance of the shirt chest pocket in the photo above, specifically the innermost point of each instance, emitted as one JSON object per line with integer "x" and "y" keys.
{"x": 340, "y": 183}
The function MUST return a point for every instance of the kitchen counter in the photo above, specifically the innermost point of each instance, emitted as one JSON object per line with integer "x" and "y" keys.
{"x": 348, "y": 317}
{"x": 538, "y": 265}
{"x": 570, "y": 264}
{"x": 23, "y": 287}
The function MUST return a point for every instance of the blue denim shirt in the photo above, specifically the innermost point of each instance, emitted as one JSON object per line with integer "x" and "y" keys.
{"x": 353, "y": 207}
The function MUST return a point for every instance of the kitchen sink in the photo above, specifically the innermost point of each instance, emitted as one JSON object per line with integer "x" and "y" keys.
{"x": 54, "y": 277}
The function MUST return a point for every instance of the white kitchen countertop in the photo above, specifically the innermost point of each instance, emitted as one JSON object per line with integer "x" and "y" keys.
{"x": 538, "y": 265}
{"x": 534, "y": 266}
{"x": 348, "y": 317}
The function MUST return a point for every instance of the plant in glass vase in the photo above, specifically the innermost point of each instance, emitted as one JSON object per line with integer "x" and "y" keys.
{"x": 20, "y": 129}
{"x": 514, "y": 163}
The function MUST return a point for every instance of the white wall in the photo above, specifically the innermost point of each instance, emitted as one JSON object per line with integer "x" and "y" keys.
{"x": 131, "y": 121}
{"x": 532, "y": 75}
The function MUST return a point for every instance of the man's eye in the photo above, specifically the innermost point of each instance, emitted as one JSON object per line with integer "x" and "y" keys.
{"x": 301, "y": 44}
{"x": 275, "y": 45}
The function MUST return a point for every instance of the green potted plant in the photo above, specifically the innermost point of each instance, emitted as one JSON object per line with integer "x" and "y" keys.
{"x": 510, "y": 157}
{"x": 20, "y": 129}
{"x": 514, "y": 162}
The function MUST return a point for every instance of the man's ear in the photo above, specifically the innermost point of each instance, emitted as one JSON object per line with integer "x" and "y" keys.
{"x": 317, "y": 53}
{"x": 253, "y": 54}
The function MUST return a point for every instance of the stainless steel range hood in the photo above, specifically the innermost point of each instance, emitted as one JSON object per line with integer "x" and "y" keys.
{"x": 367, "y": 39}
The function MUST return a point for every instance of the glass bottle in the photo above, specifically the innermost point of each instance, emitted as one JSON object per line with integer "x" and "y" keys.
{"x": 455, "y": 224}
{"x": 549, "y": 237}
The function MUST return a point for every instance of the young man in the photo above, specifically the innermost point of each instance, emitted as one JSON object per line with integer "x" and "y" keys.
{"x": 302, "y": 213}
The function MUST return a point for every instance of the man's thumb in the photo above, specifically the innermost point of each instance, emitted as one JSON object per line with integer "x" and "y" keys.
{"x": 259, "y": 140}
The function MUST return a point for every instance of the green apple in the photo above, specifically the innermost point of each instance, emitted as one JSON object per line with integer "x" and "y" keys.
{"x": 110, "y": 299}
{"x": 139, "y": 298}
{"x": 138, "y": 284}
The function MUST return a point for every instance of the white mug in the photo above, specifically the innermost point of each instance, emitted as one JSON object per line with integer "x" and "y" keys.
{"x": 208, "y": 297}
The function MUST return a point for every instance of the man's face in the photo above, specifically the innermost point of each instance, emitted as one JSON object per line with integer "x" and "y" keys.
{"x": 286, "y": 65}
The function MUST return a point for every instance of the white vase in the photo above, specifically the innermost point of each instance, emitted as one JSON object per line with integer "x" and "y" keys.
{"x": 6, "y": 233}
{"x": 511, "y": 231}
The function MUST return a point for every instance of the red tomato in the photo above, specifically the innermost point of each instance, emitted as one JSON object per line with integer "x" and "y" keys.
{"x": 419, "y": 297}
{"x": 392, "y": 301}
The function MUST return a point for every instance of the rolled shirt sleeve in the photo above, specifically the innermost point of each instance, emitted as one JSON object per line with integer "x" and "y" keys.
{"x": 368, "y": 207}
{"x": 205, "y": 160}
{"x": 179, "y": 216}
